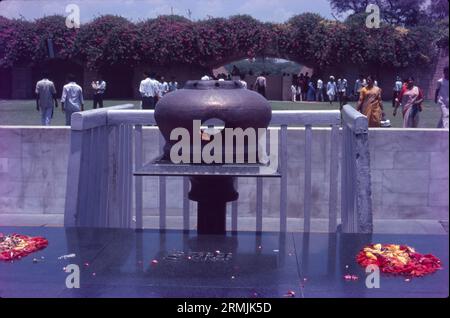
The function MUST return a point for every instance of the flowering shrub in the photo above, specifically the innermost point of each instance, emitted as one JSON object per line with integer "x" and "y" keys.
{"x": 54, "y": 28}
{"x": 166, "y": 40}
{"x": 223, "y": 40}
{"x": 107, "y": 40}
{"x": 306, "y": 38}
{"x": 17, "y": 42}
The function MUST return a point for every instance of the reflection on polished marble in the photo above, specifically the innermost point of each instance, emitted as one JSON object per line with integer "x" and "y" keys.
{"x": 150, "y": 263}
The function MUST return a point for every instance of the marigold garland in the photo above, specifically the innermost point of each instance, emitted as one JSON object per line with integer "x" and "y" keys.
{"x": 16, "y": 246}
{"x": 398, "y": 260}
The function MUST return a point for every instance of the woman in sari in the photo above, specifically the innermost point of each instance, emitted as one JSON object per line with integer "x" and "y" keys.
{"x": 370, "y": 103}
{"x": 411, "y": 98}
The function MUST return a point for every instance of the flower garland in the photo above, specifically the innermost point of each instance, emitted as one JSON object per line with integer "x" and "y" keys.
{"x": 16, "y": 246}
{"x": 398, "y": 260}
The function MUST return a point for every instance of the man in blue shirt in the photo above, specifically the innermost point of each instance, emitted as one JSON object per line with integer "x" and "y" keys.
{"x": 72, "y": 98}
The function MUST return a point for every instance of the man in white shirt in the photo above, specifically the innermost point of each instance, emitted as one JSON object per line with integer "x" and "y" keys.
{"x": 173, "y": 84}
{"x": 164, "y": 86}
{"x": 244, "y": 83}
{"x": 359, "y": 84}
{"x": 205, "y": 78}
{"x": 45, "y": 99}
{"x": 342, "y": 91}
{"x": 72, "y": 98}
{"x": 149, "y": 89}
{"x": 441, "y": 98}
{"x": 319, "y": 91}
{"x": 99, "y": 87}
{"x": 331, "y": 89}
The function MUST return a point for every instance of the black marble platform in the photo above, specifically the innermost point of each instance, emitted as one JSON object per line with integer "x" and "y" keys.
{"x": 125, "y": 263}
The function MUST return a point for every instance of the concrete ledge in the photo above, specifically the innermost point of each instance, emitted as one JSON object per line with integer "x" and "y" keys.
{"x": 383, "y": 226}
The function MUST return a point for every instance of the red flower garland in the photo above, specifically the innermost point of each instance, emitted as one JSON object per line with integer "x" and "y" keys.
{"x": 398, "y": 260}
{"x": 16, "y": 246}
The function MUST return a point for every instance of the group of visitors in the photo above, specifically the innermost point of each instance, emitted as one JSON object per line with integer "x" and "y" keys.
{"x": 153, "y": 87}
{"x": 406, "y": 94}
{"x": 304, "y": 89}
{"x": 71, "y": 98}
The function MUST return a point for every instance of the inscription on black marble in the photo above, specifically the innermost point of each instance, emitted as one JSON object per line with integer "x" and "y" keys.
{"x": 199, "y": 257}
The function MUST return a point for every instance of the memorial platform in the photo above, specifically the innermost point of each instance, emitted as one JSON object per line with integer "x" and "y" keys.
{"x": 151, "y": 263}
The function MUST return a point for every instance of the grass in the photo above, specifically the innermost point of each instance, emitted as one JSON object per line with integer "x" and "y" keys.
{"x": 23, "y": 112}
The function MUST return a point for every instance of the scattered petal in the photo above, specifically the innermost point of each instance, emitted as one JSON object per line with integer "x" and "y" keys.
{"x": 290, "y": 293}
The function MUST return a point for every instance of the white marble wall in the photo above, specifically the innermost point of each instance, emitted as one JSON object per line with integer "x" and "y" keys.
{"x": 410, "y": 177}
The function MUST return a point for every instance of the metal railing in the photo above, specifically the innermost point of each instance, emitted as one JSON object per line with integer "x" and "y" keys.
{"x": 102, "y": 145}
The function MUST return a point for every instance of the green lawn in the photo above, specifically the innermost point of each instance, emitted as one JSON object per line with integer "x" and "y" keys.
{"x": 23, "y": 112}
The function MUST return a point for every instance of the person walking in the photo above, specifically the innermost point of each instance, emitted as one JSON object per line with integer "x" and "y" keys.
{"x": 242, "y": 80}
{"x": 261, "y": 84}
{"x": 441, "y": 98}
{"x": 311, "y": 94}
{"x": 293, "y": 93}
{"x": 149, "y": 91}
{"x": 305, "y": 86}
{"x": 160, "y": 88}
{"x": 396, "y": 91}
{"x": 359, "y": 84}
{"x": 99, "y": 87}
{"x": 72, "y": 98}
{"x": 410, "y": 98}
{"x": 370, "y": 103}
{"x": 342, "y": 92}
{"x": 319, "y": 91}
{"x": 45, "y": 98}
{"x": 164, "y": 86}
{"x": 173, "y": 84}
{"x": 331, "y": 90}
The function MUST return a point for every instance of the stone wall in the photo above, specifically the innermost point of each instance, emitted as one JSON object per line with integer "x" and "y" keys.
{"x": 409, "y": 169}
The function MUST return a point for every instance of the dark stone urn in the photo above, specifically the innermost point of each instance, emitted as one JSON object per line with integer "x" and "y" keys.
{"x": 235, "y": 107}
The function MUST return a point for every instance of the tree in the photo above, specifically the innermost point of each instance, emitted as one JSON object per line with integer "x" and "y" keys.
{"x": 394, "y": 12}
{"x": 438, "y": 9}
